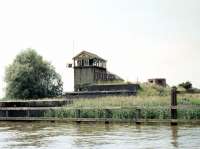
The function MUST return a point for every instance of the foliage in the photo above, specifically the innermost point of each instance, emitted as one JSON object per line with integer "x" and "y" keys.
{"x": 153, "y": 100}
{"x": 186, "y": 85}
{"x": 121, "y": 107}
{"x": 120, "y": 101}
{"x": 152, "y": 107}
{"x": 96, "y": 108}
{"x": 29, "y": 76}
{"x": 147, "y": 90}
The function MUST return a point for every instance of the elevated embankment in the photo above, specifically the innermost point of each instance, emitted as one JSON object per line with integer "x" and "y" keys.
{"x": 96, "y": 94}
{"x": 102, "y": 90}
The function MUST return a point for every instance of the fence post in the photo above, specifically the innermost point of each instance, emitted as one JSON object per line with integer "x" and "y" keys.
{"x": 6, "y": 113}
{"x": 173, "y": 106}
{"x": 78, "y": 115}
{"x": 138, "y": 116}
{"x": 28, "y": 113}
{"x": 107, "y": 115}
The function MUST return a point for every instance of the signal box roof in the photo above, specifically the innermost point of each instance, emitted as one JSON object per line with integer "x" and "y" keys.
{"x": 87, "y": 55}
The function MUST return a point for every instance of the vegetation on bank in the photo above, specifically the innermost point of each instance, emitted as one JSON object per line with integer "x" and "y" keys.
{"x": 154, "y": 102}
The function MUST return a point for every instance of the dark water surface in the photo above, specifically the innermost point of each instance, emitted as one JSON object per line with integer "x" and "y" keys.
{"x": 88, "y": 136}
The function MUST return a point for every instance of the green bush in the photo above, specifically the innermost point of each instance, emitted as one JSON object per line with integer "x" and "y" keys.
{"x": 29, "y": 76}
{"x": 186, "y": 85}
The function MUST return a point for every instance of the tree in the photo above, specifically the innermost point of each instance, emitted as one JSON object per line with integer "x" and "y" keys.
{"x": 29, "y": 76}
{"x": 186, "y": 85}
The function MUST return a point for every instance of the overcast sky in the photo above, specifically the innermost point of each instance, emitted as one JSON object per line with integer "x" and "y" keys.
{"x": 139, "y": 38}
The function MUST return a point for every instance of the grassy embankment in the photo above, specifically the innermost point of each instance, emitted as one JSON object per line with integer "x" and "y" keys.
{"x": 154, "y": 102}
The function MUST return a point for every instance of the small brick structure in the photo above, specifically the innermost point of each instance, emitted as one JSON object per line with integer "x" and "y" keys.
{"x": 158, "y": 81}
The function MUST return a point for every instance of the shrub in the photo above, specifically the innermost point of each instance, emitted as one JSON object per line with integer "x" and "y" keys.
{"x": 29, "y": 76}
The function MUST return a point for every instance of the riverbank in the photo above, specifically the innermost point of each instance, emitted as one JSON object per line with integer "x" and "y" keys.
{"x": 151, "y": 102}
{"x": 127, "y": 108}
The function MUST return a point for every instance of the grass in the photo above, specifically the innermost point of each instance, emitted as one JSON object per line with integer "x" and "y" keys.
{"x": 154, "y": 102}
{"x": 119, "y": 101}
{"x": 189, "y": 99}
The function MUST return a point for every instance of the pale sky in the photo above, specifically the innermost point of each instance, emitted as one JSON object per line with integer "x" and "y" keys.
{"x": 139, "y": 38}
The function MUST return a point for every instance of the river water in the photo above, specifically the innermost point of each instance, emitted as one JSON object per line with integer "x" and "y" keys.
{"x": 18, "y": 135}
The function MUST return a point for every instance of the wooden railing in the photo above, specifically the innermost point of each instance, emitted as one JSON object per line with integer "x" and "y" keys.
{"x": 174, "y": 105}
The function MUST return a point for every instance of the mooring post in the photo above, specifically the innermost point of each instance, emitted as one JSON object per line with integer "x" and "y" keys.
{"x": 138, "y": 116}
{"x": 6, "y": 113}
{"x": 78, "y": 113}
{"x": 107, "y": 115}
{"x": 28, "y": 113}
{"x": 173, "y": 106}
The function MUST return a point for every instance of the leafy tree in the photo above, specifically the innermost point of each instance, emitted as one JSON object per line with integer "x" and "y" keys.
{"x": 186, "y": 85}
{"x": 29, "y": 76}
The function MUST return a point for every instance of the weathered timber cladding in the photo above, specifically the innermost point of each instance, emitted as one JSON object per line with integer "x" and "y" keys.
{"x": 3, "y": 113}
{"x": 87, "y": 75}
{"x": 18, "y": 113}
{"x": 22, "y": 113}
{"x": 35, "y": 103}
{"x": 37, "y": 113}
{"x": 89, "y": 69}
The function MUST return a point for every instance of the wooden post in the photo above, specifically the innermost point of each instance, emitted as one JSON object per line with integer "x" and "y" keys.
{"x": 107, "y": 115}
{"x": 28, "y": 113}
{"x": 138, "y": 116}
{"x": 173, "y": 106}
{"x": 6, "y": 113}
{"x": 78, "y": 115}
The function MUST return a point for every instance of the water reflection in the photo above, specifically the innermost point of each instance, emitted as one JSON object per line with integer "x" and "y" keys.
{"x": 90, "y": 135}
{"x": 174, "y": 136}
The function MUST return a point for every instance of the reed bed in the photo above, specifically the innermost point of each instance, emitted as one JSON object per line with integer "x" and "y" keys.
{"x": 153, "y": 101}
